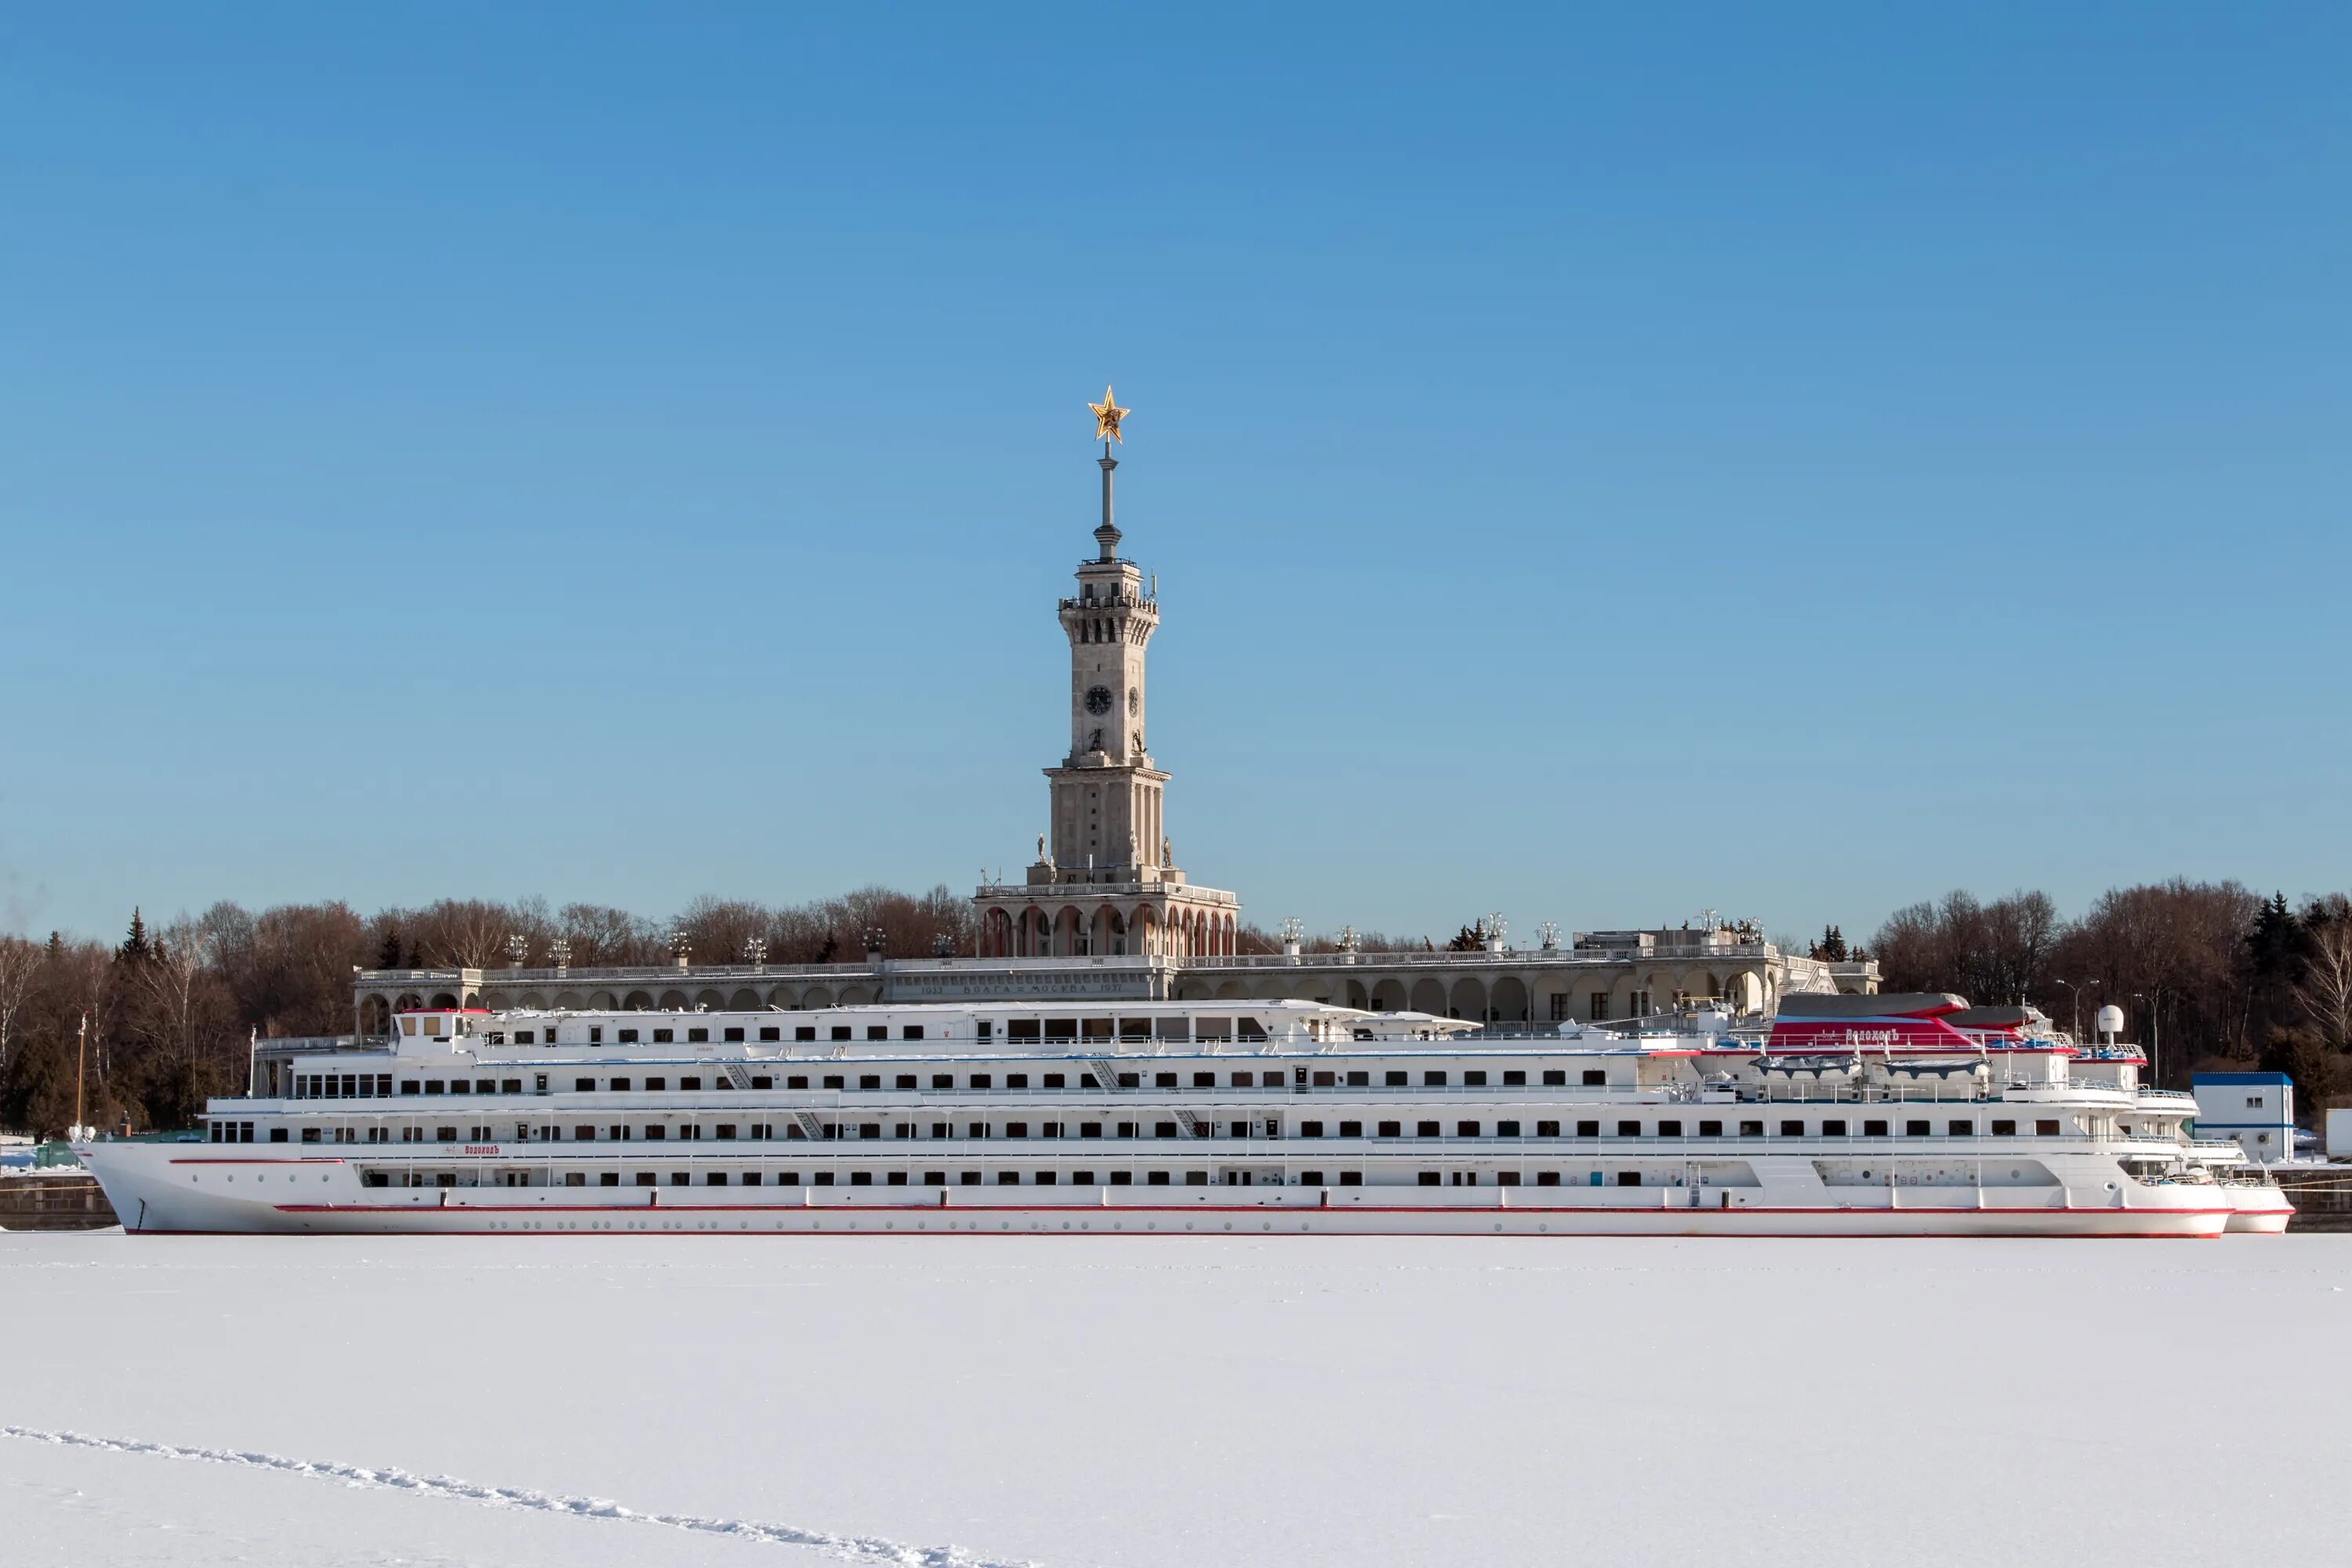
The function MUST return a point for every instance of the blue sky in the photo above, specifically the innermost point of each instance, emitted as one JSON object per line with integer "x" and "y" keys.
{"x": 1598, "y": 466}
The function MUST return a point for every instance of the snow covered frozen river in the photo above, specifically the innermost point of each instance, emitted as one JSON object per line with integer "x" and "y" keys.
{"x": 654, "y": 1400}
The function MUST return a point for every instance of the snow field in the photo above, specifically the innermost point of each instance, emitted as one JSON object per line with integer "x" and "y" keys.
{"x": 586, "y": 1400}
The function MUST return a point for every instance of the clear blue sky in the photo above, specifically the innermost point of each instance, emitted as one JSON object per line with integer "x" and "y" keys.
{"x": 1598, "y": 466}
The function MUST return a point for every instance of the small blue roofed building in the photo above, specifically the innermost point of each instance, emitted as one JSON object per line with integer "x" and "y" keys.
{"x": 2257, "y": 1109}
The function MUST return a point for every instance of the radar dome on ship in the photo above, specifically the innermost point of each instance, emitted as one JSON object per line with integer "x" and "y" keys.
{"x": 2111, "y": 1019}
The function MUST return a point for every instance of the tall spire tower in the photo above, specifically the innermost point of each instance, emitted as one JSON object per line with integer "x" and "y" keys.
{"x": 1105, "y": 880}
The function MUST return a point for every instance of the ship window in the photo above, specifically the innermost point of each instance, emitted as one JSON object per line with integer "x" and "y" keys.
{"x": 1163, "y": 1080}
{"x": 1474, "y": 1078}
{"x": 1507, "y": 1130}
{"x": 1670, "y": 1129}
{"x": 656, "y": 1083}
{"x": 1547, "y": 1129}
{"x": 982, "y": 1080}
{"x": 1269, "y": 1081}
{"x": 583, "y": 1134}
{"x": 1874, "y": 1130}
{"x": 664, "y": 1037}
{"x": 1089, "y": 1129}
{"x": 821, "y": 1179}
{"x": 680, "y": 1178}
{"x": 1008, "y": 1178}
{"x": 508, "y": 1086}
{"x": 2045, "y": 1129}
{"x": 1554, "y": 1077}
{"x": 584, "y": 1086}
{"x": 1135, "y": 1028}
{"x": 905, "y": 1080}
{"x": 878, "y": 1031}
{"x": 689, "y": 1083}
{"x": 1163, "y": 1130}
{"x": 1710, "y": 1129}
{"x": 1504, "y": 1178}
{"x": 1098, "y": 1028}
{"x": 1834, "y": 1128}
{"x": 732, "y": 1035}
{"x": 983, "y": 1029}
{"x": 804, "y": 1031}
{"x": 1310, "y": 1130}
{"x": 628, "y": 1037}
{"x": 1155, "y": 1178}
{"x": 1022, "y": 1029}
{"x": 788, "y": 1178}
{"x": 1515, "y": 1079}
{"x": 1961, "y": 1128}
{"x": 1243, "y": 1079}
{"x": 1464, "y": 1129}
{"x": 1391, "y": 1129}
{"x": 1395, "y": 1078}
{"x": 277, "y": 1134}
{"x": 645, "y": 1178}
{"x": 968, "y": 1179}
{"x": 1044, "y": 1178}
{"x": 1351, "y": 1130}
{"x": 697, "y": 1037}
{"x": 1629, "y": 1130}
{"x": 830, "y": 1080}
{"x": 796, "y": 1081}
{"x": 1592, "y": 1129}
{"x": 762, "y": 1081}
{"x": 840, "y": 1031}
{"x": 1433, "y": 1079}
{"x": 1429, "y": 1178}
{"x": 1792, "y": 1130}
{"x": 310, "y": 1135}
{"x": 943, "y": 1080}
{"x": 1546, "y": 1178}
{"x": 656, "y": 1132}
{"x": 1327, "y": 1080}
{"x": 1016, "y": 1130}
{"x": 869, "y": 1130}
{"x": 1629, "y": 1178}
{"x": 434, "y": 1085}
{"x": 595, "y": 1033}
{"x": 1196, "y": 1178}
{"x": 1751, "y": 1129}
{"x": 1122, "y": 1178}
{"x": 1595, "y": 1078}
{"x": 935, "y": 1178}
{"x": 771, "y": 1032}
{"x": 869, "y": 1081}
{"x": 1917, "y": 1129}
{"x": 1057, "y": 1080}
{"x": 1130, "y": 1080}
{"x": 750, "y": 1178}
{"x": 408, "y": 1085}
{"x": 1016, "y": 1080}
{"x": 724, "y": 1129}
{"x": 1061, "y": 1028}
{"x": 1209, "y": 1079}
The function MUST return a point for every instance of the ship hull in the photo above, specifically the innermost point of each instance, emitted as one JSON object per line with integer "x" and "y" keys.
{"x": 160, "y": 1189}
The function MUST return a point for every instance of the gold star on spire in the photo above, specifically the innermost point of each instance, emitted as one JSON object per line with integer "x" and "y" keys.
{"x": 1107, "y": 414}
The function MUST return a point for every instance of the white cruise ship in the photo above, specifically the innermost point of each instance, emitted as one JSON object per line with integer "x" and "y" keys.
{"x": 1851, "y": 1116}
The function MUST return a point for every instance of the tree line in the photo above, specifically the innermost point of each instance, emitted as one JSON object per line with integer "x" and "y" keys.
{"x": 2211, "y": 973}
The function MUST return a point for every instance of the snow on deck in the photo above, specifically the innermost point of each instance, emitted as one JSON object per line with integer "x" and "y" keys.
{"x": 586, "y": 1400}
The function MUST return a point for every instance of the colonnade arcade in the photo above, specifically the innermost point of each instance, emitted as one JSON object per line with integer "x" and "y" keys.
{"x": 1104, "y": 930}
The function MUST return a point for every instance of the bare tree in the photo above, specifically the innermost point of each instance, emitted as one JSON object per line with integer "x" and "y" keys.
{"x": 20, "y": 964}
{"x": 2325, "y": 990}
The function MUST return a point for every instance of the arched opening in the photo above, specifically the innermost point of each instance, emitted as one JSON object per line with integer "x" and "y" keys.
{"x": 1469, "y": 999}
{"x": 817, "y": 997}
{"x": 745, "y": 1000}
{"x": 1146, "y": 926}
{"x": 674, "y": 1002}
{"x": 1510, "y": 1002}
{"x": 1069, "y": 934}
{"x": 855, "y": 996}
{"x": 602, "y": 1000}
{"x": 568, "y": 1001}
{"x": 996, "y": 934}
{"x": 1355, "y": 996}
{"x": 444, "y": 999}
{"x": 1231, "y": 991}
{"x": 1428, "y": 997}
{"x": 1388, "y": 996}
{"x": 638, "y": 1002}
